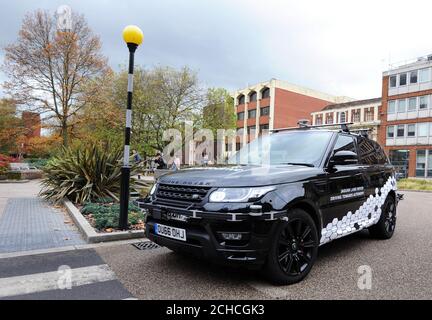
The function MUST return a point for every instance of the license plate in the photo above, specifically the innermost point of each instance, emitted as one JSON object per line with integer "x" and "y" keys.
{"x": 170, "y": 232}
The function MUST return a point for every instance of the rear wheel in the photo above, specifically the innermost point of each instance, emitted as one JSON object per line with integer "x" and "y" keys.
{"x": 294, "y": 249}
{"x": 386, "y": 225}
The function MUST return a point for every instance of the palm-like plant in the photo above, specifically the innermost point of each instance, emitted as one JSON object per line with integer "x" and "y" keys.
{"x": 84, "y": 174}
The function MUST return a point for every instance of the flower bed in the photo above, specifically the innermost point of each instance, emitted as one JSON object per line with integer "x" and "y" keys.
{"x": 103, "y": 215}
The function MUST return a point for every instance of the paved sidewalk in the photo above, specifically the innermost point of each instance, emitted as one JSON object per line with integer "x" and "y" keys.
{"x": 29, "y": 223}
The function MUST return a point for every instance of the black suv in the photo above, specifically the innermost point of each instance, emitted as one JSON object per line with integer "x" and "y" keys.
{"x": 280, "y": 198}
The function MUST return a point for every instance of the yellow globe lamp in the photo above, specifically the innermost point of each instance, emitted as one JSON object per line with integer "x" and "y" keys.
{"x": 133, "y": 35}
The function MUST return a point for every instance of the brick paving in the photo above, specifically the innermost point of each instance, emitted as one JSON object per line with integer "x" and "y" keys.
{"x": 29, "y": 223}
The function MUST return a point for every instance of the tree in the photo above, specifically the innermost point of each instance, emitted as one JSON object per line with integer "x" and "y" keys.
{"x": 11, "y": 127}
{"x": 219, "y": 112}
{"x": 49, "y": 69}
{"x": 163, "y": 98}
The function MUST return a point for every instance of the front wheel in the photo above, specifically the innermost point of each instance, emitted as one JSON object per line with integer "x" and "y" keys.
{"x": 294, "y": 249}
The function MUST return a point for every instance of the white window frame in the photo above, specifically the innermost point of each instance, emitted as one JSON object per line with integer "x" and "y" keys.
{"x": 427, "y": 97}
{"x": 406, "y": 79}
{"x": 415, "y": 106}
{"x": 398, "y": 103}
{"x": 397, "y": 131}
{"x": 423, "y": 125}
{"x": 412, "y": 71}
{"x": 428, "y": 75}
{"x": 340, "y": 117}
{"x": 408, "y": 131}
{"x": 387, "y": 132}
{"x": 396, "y": 82}
{"x": 388, "y": 106}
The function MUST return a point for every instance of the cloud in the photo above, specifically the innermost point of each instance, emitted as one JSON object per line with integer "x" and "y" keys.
{"x": 339, "y": 47}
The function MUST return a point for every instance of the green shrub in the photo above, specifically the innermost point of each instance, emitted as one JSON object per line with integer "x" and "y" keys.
{"x": 107, "y": 215}
{"x": 84, "y": 174}
{"x": 38, "y": 163}
{"x": 13, "y": 175}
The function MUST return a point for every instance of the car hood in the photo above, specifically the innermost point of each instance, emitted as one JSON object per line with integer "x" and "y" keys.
{"x": 240, "y": 176}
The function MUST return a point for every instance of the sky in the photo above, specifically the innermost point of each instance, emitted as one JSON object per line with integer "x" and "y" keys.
{"x": 337, "y": 47}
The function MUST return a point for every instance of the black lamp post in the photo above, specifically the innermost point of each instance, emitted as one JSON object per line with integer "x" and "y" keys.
{"x": 133, "y": 37}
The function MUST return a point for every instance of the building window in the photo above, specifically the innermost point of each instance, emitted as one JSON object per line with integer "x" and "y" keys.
{"x": 265, "y": 111}
{"x": 390, "y": 132}
{"x": 424, "y": 75}
{"x": 402, "y": 79}
{"x": 252, "y": 96}
{"x": 369, "y": 114}
{"x": 241, "y": 99}
{"x": 400, "y": 131}
{"x": 318, "y": 121}
{"x": 264, "y": 128}
{"x": 342, "y": 117}
{"x": 393, "y": 81}
{"x": 424, "y": 102}
{"x": 421, "y": 163}
{"x": 391, "y": 106}
{"x": 411, "y": 130}
{"x": 401, "y": 105}
{"x": 265, "y": 93}
{"x": 329, "y": 118}
{"x": 251, "y": 130}
{"x": 422, "y": 129}
{"x": 412, "y": 104}
{"x": 252, "y": 114}
{"x": 356, "y": 116}
{"x": 413, "y": 76}
{"x": 240, "y": 132}
{"x": 240, "y": 116}
{"x": 400, "y": 160}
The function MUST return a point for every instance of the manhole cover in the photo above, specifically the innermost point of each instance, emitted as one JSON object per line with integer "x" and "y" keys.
{"x": 147, "y": 245}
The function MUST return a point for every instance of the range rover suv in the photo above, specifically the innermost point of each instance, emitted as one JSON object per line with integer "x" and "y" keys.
{"x": 279, "y": 199}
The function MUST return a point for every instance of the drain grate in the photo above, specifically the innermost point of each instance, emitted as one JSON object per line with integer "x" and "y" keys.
{"x": 147, "y": 245}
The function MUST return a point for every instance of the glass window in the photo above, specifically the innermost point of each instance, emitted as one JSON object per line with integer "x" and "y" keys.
{"x": 264, "y": 128}
{"x": 277, "y": 149}
{"x": 252, "y": 96}
{"x": 413, "y": 76}
{"x": 329, "y": 118}
{"x": 265, "y": 93}
{"x": 429, "y": 164}
{"x": 400, "y": 131}
{"x": 402, "y": 79}
{"x": 356, "y": 116}
{"x": 424, "y": 75}
{"x": 393, "y": 81}
{"x": 369, "y": 115}
{"x": 265, "y": 111}
{"x": 342, "y": 117}
{"x": 240, "y": 116}
{"x": 241, "y": 99}
{"x": 240, "y": 132}
{"x": 391, "y": 106}
{"x": 412, "y": 104}
{"x": 390, "y": 131}
{"x": 421, "y": 163}
{"x": 345, "y": 143}
{"x": 251, "y": 113}
{"x": 318, "y": 121}
{"x": 411, "y": 130}
{"x": 401, "y": 105}
{"x": 422, "y": 129}
{"x": 400, "y": 160}
{"x": 251, "y": 130}
{"x": 424, "y": 102}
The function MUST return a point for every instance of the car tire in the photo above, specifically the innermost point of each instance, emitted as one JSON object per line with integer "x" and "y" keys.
{"x": 293, "y": 249}
{"x": 386, "y": 225}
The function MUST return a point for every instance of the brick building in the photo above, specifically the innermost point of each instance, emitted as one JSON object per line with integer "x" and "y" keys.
{"x": 364, "y": 114}
{"x": 406, "y": 117}
{"x": 276, "y": 104}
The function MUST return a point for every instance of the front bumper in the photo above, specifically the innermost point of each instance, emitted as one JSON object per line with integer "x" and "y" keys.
{"x": 203, "y": 231}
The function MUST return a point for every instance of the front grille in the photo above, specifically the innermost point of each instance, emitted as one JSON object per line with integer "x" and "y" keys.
{"x": 181, "y": 194}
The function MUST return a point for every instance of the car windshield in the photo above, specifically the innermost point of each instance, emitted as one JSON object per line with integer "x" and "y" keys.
{"x": 296, "y": 147}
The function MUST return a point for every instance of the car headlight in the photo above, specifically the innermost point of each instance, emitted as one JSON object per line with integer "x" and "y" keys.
{"x": 153, "y": 189}
{"x": 238, "y": 194}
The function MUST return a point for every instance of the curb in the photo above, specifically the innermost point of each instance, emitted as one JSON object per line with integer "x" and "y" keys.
{"x": 407, "y": 190}
{"x": 88, "y": 232}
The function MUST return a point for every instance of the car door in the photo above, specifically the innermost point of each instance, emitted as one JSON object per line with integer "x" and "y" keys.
{"x": 345, "y": 187}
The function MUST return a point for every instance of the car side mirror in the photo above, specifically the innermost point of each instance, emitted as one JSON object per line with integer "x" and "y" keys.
{"x": 343, "y": 157}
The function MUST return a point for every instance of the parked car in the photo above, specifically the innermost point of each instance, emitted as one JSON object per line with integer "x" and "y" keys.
{"x": 283, "y": 195}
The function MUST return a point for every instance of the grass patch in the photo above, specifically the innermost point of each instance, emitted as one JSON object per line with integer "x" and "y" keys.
{"x": 415, "y": 184}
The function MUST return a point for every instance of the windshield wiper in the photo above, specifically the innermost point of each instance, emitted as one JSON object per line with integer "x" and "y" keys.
{"x": 300, "y": 164}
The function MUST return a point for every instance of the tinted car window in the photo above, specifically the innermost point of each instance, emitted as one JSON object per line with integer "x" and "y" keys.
{"x": 345, "y": 143}
{"x": 370, "y": 152}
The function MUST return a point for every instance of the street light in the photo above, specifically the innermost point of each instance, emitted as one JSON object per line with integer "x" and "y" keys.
{"x": 133, "y": 37}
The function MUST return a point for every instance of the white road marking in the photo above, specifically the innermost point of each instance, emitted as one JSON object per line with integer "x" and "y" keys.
{"x": 40, "y": 282}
